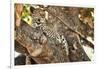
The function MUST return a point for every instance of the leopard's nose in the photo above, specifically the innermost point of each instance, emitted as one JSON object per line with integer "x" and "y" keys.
{"x": 38, "y": 23}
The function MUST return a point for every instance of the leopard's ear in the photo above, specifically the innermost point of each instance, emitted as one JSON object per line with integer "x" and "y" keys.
{"x": 32, "y": 9}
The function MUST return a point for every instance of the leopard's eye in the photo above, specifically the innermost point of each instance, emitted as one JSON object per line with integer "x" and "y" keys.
{"x": 39, "y": 20}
